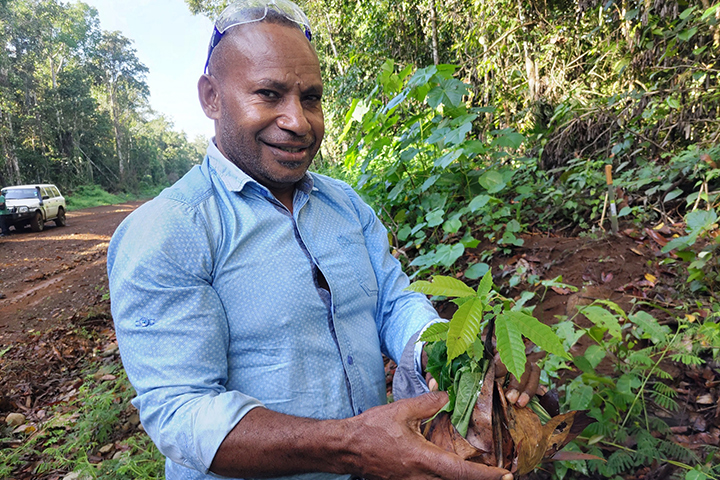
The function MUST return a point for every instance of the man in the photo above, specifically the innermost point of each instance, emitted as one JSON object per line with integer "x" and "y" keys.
{"x": 252, "y": 300}
{"x": 4, "y": 224}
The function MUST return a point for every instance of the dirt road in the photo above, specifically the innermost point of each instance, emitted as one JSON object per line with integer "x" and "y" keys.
{"x": 49, "y": 277}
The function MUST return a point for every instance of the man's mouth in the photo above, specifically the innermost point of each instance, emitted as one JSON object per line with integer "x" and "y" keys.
{"x": 290, "y": 149}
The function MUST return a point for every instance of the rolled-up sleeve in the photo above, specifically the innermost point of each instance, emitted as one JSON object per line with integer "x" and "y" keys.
{"x": 172, "y": 330}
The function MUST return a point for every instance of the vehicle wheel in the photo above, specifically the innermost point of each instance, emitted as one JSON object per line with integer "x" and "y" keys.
{"x": 37, "y": 223}
{"x": 60, "y": 220}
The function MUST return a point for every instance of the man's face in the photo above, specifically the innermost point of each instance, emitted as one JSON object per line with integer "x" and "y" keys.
{"x": 270, "y": 122}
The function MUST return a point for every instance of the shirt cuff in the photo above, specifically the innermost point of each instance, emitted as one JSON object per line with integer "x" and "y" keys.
{"x": 409, "y": 381}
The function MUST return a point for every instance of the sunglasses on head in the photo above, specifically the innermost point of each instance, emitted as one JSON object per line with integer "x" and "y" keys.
{"x": 249, "y": 11}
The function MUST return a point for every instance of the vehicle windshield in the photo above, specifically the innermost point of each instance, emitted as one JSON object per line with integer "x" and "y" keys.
{"x": 18, "y": 193}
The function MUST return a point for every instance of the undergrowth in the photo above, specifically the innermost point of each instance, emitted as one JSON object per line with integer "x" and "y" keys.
{"x": 71, "y": 440}
{"x": 86, "y": 196}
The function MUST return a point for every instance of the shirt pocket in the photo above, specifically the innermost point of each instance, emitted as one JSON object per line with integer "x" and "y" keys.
{"x": 355, "y": 252}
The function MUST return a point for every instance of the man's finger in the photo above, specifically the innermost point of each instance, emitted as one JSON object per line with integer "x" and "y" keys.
{"x": 452, "y": 466}
{"x": 424, "y": 406}
{"x": 531, "y": 386}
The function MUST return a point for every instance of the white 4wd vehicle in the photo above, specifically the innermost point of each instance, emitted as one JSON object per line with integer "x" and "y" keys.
{"x": 34, "y": 205}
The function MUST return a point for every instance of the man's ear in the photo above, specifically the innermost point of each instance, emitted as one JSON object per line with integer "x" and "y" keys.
{"x": 209, "y": 93}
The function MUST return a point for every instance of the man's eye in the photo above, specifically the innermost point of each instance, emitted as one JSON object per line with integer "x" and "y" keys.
{"x": 268, "y": 93}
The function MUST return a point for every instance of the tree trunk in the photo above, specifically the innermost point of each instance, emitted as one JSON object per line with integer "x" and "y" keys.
{"x": 332, "y": 45}
{"x": 12, "y": 166}
{"x": 118, "y": 133}
{"x": 433, "y": 27}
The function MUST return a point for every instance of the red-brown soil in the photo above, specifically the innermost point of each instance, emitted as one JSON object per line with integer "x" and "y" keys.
{"x": 49, "y": 278}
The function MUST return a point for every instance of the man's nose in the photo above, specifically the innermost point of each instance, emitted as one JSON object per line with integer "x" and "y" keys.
{"x": 293, "y": 117}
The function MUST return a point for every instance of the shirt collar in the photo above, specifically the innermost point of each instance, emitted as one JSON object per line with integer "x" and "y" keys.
{"x": 235, "y": 179}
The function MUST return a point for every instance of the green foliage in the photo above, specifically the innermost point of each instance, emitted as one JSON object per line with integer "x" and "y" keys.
{"x": 74, "y": 103}
{"x": 457, "y": 357}
{"x": 699, "y": 250}
{"x": 86, "y": 196}
{"x": 633, "y": 348}
{"x": 80, "y": 427}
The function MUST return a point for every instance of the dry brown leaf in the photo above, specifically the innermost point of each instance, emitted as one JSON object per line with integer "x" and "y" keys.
{"x": 506, "y": 436}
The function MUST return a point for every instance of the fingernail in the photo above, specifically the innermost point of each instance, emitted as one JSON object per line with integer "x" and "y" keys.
{"x": 523, "y": 400}
{"x": 507, "y": 476}
{"x": 512, "y": 395}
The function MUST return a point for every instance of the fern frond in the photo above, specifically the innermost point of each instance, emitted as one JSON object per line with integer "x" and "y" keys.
{"x": 665, "y": 389}
{"x": 639, "y": 358}
{"x": 658, "y": 425}
{"x": 676, "y": 451}
{"x": 663, "y": 374}
{"x": 687, "y": 359}
{"x": 619, "y": 462}
{"x": 665, "y": 401}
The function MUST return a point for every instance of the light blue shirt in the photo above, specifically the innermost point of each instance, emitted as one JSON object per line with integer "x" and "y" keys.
{"x": 218, "y": 309}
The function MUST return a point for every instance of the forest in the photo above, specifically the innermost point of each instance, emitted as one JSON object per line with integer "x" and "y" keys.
{"x": 549, "y": 159}
{"x": 74, "y": 105}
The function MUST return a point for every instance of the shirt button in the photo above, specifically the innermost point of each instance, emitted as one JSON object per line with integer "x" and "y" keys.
{"x": 350, "y": 360}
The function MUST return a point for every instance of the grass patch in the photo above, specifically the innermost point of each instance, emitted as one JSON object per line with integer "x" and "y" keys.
{"x": 85, "y": 435}
{"x": 86, "y": 196}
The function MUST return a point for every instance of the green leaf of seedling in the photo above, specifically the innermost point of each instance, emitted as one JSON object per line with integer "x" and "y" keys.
{"x": 464, "y": 327}
{"x": 650, "y": 326}
{"x": 510, "y": 345}
{"x": 477, "y": 270}
{"x": 485, "y": 286}
{"x": 437, "y": 363}
{"x": 442, "y": 285}
{"x": 465, "y": 398}
{"x": 538, "y": 333}
{"x": 602, "y": 318}
{"x": 435, "y": 332}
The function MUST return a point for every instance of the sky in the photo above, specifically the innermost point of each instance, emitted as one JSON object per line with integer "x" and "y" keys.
{"x": 172, "y": 43}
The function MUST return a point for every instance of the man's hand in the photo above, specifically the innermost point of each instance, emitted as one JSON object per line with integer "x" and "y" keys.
{"x": 390, "y": 446}
{"x": 382, "y": 443}
{"x": 520, "y": 392}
